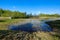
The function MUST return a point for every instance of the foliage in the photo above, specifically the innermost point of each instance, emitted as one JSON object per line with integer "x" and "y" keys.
{"x": 17, "y": 14}
{"x": 1, "y": 12}
{"x": 49, "y": 15}
{"x": 13, "y": 14}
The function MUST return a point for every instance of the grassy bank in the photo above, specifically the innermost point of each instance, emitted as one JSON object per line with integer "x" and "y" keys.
{"x": 5, "y": 23}
{"x": 56, "y": 28}
{"x": 54, "y": 24}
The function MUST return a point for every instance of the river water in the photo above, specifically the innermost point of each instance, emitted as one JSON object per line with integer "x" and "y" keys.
{"x": 31, "y": 26}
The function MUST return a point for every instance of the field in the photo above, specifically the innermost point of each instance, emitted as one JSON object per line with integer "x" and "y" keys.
{"x": 23, "y": 35}
{"x": 5, "y": 23}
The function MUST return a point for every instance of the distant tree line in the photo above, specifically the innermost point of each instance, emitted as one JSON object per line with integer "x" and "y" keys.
{"x": 49, "y": 15}
{"x": 14, "y": 14}
{"x": 17, "y": 14}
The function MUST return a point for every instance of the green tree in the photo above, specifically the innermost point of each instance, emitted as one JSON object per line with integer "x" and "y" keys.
{"x": 1, "y": 12}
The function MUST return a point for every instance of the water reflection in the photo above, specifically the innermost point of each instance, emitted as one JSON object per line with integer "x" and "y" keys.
{"x": 31, "y": 26}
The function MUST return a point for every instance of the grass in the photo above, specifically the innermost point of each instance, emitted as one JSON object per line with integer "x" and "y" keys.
{"x": 21, "y": 35}
{"x": 4, "y": 33}
{"x": 54, "y": 24}
{"x": 5, "y": 23}
{"x": 56, "y": 28}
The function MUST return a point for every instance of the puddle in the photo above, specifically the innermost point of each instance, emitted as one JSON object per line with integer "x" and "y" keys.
{"x": 32, "y": 26}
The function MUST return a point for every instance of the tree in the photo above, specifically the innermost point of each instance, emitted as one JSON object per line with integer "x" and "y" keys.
{"x": 1, "y": 12}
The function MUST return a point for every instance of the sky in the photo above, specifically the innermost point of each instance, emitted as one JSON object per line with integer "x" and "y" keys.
{"x": 32, "y": 6}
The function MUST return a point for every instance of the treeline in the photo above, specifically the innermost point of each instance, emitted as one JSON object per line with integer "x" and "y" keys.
{"x": 13, "y": 14}
{"x": 17, "y": 14}
{"x": 49, "y": 15}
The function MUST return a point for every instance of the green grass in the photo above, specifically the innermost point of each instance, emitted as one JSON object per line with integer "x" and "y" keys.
{"x": 56, "y": 28}
{"x": 5, "y": 23}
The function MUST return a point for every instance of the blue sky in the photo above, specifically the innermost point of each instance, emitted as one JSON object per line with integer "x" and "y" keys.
{"x": 32, "y": 6}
